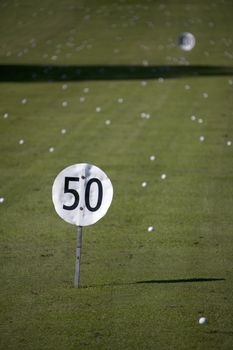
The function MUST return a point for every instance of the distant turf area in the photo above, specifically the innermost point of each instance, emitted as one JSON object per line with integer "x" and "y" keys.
{"x": 112, "y": 75}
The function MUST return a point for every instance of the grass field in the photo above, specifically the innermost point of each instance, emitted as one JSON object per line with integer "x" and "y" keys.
{"x": 59, "y": 62}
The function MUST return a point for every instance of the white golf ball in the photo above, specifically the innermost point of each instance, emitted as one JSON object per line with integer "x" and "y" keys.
{"x": 186, "y": 41}
{"x": 64, "y": 86}
{"x": 64, "y": 104}
{"x": 86, "y": 90}
{"x": 51, "y": 149}
{"x": 24, "y": 101}
{"x": 144, "y": 184}
{"x": 120, "y": 100}
{"x": 193, "y": 118}
{"x": 205, "y": 95}
{"x": 107, "y": 122}
{"x": 5, "y": 115}
{"x": 200, "y": 120}
{"x": 202, "y": 320}
{"x": 152, "y": 158}
{"x": 82, "y": 99}
{"x": 63, "y": 131}
{"x": 98, "y": 109}
{"x": 1, "y": 200}
{"x": 21, "y": 142}
{"x": 150, "y": 229}
{"x": 202, "y": 138}
{"x": 228, "y": 143}
{"x": 163, "y": 176}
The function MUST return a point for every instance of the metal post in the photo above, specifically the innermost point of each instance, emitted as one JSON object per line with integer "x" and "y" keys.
{"x": 78, "y": 257}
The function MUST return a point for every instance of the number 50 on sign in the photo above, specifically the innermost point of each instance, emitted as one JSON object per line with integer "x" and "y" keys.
{"x": 82, "y": 194}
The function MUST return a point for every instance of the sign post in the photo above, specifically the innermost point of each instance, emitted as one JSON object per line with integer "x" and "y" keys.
{"x": 81, "y": 194}
{"x": 78, "y": 256}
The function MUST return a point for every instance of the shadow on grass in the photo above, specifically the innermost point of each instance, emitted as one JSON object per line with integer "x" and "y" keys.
{"x": 183, "y": 280}
{"x": 170, "y": 281}
{"x": 53, "y": 73}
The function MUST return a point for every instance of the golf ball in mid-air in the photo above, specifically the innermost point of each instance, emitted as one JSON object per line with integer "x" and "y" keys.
{"x": 186, "y": 41}
{"x": 202, "y": 320}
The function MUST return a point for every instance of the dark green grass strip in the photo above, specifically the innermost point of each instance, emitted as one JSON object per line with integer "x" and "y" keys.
{"x": 39, "y": 73}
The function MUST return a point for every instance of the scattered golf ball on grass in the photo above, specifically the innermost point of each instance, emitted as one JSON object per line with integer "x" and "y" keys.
{"x": 98, "y": 109}
{"x": 21, "y": 142}
{"x": 163, "y": 176}
{"x": 193, "y": 118}
{"x": 5, "y": 115}
{"x": 64, "y": 104}
{"x": 228, "y": 143}
{"x": 202, "y": 138}
{"x": 107, "y": 122}
{"x": 1, "y": 200}
{"x": 144, "y": 184}
{"x": 63, "y": 131}
{"x": 51, "y": 149}
{"x": 152, "y": 158}
{"x": 24, "y": 101}
{"x": 150, "y": 229}
{"x": 202, "y": 320}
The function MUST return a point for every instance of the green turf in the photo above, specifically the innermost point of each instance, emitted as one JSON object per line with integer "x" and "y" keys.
{"x": 139, "y": 290}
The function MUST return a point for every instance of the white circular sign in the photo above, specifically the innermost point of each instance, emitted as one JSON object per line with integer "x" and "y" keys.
{"x": 186, "y": 41}
{"x": 82, "y": 194}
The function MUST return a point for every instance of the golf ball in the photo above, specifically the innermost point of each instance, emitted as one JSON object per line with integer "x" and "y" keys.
{"x": 144, "y": 184}
{"x": 163, "y": 176}
{"x": 63, "y": 131}
{"x": 202, "y": 320}
{"x": 21, "y": 142}
{"x": 152, "y": 158}
{"x": 2, "y": 199}
{"x": 5, "y": 115}
{"x": 107, "y": 122}
{"x": 64, "y": 104}
{"x": 193, "y": 118}
{"x": 24, "y": 101}
{"x": 186, "y": 41}
{"x": 228, "y": 143}
{"x": 150, "y": 229}
{"x": 202, "y": 138}
{"x": 98, "y": 109}
{"x": 51, "y": 149}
